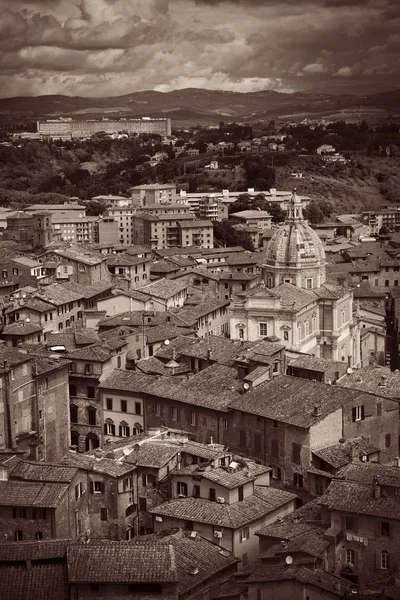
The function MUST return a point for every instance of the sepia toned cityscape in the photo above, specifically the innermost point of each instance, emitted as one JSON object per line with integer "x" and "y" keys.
{"x": 199, "y": 300}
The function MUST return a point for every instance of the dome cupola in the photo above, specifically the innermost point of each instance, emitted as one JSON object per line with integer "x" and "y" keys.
{"x": 295, "y": 253}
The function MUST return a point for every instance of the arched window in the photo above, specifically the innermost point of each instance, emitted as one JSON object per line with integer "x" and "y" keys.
{"x": 75, "y": 439}
{"x": 91, "y": 415}
{"x": 73, "y": 412}
{"x": 91, "y": 442}
{"x": 124, "y": 429}
{"x": 130, "y": 510}
{"x": 109, "y": 427}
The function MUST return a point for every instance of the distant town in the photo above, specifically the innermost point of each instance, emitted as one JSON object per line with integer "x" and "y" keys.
{"x": 199, "y": 360}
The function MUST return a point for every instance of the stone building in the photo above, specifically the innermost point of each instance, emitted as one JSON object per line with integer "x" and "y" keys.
{"x": 296, "y": 305}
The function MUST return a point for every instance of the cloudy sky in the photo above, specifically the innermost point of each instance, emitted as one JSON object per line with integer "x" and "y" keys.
{"x": 112, "y": 47}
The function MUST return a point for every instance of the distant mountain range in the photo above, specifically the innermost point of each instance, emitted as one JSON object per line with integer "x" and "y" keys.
{"x": 206, "y": 106}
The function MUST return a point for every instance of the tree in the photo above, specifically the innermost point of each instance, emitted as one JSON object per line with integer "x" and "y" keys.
{"x": 227, "y": 235}
{"x": 313, "y": 213}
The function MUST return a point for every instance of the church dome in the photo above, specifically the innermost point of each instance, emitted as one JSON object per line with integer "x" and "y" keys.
{"x": 295, "y": 252}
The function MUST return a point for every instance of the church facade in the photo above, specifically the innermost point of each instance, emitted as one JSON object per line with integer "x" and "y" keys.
{"x": 295, "y": 305}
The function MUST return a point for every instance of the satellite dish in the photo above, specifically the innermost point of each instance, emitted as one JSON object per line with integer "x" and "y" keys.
{"x": 167, "y": 342}
{"x": 289, "y": 560}
{"x": 246, "y": 385}
{"x": 28, "y": 320}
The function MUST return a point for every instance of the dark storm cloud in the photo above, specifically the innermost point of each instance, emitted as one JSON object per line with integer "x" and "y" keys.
{"x": 115, "y": 46}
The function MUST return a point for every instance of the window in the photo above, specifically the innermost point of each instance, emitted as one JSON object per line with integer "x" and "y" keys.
{"x": 109, "y": 428}
{"x": 124, "y": 430}
{"x": 212, "y": 495}
{"x": 149, "y": 480}
{"x": 244, "y": 534}
{"x": 91, "y": 392}
{"x": 73, "y": 411}
{"x": 257, "y": 442}
{"x": 196, "y": 491}
{"x": 119, "y": 362}
{"x": 103, "y": 514}
{"x": 260, "y": 594}
{"x": 350, "y": 524}
{"x": 109, "y": 403}
{"x": 88, "y": 369}
{"x": 309, "y": 283}
{"x": 285, "y": 336}
{"x": 174, "y": 413}
{"x": 91, "y": 414}
{"x": 98, "y": 487}
{"x": 226, "y": 424}
{"x": 142, "y": 504}
{"x": 124, "y": 406}
{"x": 192, "y": 418}
{"x": 385, "y": 528}
{"x": 240, "y": 493}
{"x": 263, "y": 329}
{"x": 358, "y": 413}
{"x": 19, "y": 512}
{"x": 350, "y": 556}
{"x": 384, "y": 559}
{"x": 296, "y": 453}
{"x": 297, "y": 480}
{"x": 72, "y": 390}
{"x": 78, "y": 490}
{"x": 158, "y": 410}
{"x": 379, "y": 409}
{"x": 276, "y": 473}
{"x": 182, "y": 488}
{"x": 138, "y": 408}
{"x": 39, "y": 536}
{"x": 388, "y": 440}
{"x": 18, "y": 535}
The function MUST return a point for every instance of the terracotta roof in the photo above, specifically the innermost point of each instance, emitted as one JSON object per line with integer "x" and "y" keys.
{"x": 193, "y": 553}
{"x": 380, "y": 381}
{"x": 368, "y": 472}
{"x": 35, "y": 304}
{"x": 56, "y": 473}
{"x": 121, "y": 562}
{"x": 193, "y": 314}
{"x": 128, "y": 381}
{"x": 313, "y": 363}
{"x": 292, "y": 400}
{"x": 29, "y": 493}
{"x": 59, "y": 294}
{"x": 25, "y": 261}
{"x": 94, "y": 464}
{"x": 340, "y": 454}
{"x": 352, "y": 497}
{"x": 21, "y": 551}
{"x": 152, "y": 454}
{"x": 264, "y": 501}
{"x": 87, "y": 258}
{"x": 317, "y": 577}
{"x": 40, "y": 581}
{"x": 164, "y": 288}
{"x": 225, "y": 478}
{"x": 21, "y": 328}
{"x": 96, "y": 353}
{"x": 13, "y": 357}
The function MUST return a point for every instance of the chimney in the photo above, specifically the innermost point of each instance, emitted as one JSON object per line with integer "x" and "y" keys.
{"x": 209, "y": 355}
{"x": 383, "y": 381}
{"x": 376, "y": 488}
{"x": 317, "y": 410}
{"x": 397, "y": 459}
{"x": 354, "y": 452}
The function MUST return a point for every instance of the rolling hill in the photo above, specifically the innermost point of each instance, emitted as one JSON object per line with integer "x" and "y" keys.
{"x": 200, "y": 106}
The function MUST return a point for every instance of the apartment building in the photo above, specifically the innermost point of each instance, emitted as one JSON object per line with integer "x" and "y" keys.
{"x": 34, "y": 403}
{"x": 226, "y": 503}
{"x": 75, "y": 228}
{"x": 153, "y": 193}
